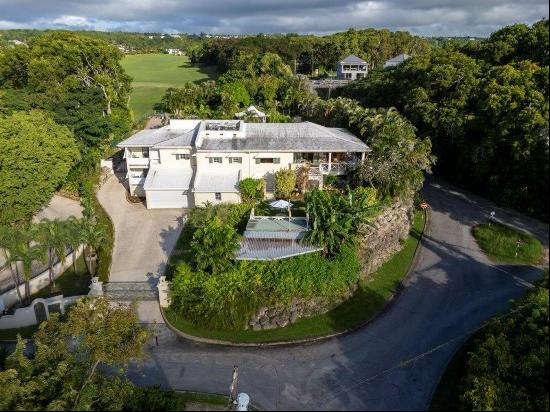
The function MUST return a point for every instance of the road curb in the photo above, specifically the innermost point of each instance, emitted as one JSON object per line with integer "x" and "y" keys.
{"x": 391, "y": 300}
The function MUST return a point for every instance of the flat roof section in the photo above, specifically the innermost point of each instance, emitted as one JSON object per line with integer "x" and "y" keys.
{"x": 168, "y": 179}
{"x": 217, "y": 181}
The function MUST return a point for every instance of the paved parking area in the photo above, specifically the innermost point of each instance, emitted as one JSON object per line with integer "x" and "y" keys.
{"x": 144, "y": 238}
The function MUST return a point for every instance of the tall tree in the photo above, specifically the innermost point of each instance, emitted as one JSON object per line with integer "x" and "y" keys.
{"x": 32, "y": 143}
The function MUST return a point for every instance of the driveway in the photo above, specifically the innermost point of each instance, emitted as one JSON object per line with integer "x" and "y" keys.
{"x": 143, "y": 238}
{"x": 395, "y": 362}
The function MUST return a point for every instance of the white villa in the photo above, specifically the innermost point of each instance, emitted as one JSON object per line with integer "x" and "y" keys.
{"x": 351, "y": 68}
{"x": 190, "y": 162}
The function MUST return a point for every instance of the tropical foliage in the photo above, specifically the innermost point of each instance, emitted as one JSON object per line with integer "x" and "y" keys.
{"x": 227, "y": 299}
{"x": 214, "y": 246}
{"x": 46, "y": 242}
{"x": 507, "y": 368}
{"x": 63, "y": 373}
{"x": 78, "y": 80}
{"x": 252, "y": 190}
{"x": 31, "y": 144}
{"x": 285, "y": 183}
{"x": 337, "y": 218}
{"x": 484, "y": 107}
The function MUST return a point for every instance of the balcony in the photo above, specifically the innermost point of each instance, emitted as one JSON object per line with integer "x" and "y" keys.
{"x": 138, "y": 161}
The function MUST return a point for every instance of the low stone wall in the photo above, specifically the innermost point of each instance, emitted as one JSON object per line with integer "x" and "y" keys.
{"x": 283, "y": 315}
{"x": 384, "y": 237}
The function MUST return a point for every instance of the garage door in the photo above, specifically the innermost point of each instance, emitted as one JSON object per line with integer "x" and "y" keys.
{"x": 165, "y": 199}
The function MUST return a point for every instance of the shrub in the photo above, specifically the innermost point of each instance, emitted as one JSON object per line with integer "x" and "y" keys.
{"x": 227, "y": 299}
{"x": 214, "y": 245}
{"x": 329, "y": 180}
{"x": 252, "y": 190}
{"x": 508, "y": 367}
{"x": 337, "y": 218}
{"x": 154, "y": 399}
{"x": 232, "y": 214}
{"x": 285, "y": 183}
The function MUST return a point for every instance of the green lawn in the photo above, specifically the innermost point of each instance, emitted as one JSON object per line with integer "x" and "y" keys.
{"x": 153, "y": 73}
{"x": 499, "y": 242}
{"x": 369, "y": 299}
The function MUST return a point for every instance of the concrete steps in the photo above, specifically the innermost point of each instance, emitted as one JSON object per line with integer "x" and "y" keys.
{"x": 129, "y": 291}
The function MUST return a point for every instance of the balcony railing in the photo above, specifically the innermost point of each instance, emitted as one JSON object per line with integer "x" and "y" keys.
{"x": 138, "y": 161}
{"x": 336, "y": 167}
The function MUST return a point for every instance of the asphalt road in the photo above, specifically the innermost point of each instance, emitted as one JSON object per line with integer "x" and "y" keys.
{"x": 395, "y": 362}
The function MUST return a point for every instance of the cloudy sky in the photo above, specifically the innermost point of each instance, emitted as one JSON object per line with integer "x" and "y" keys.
{"x": 424, "y": 17}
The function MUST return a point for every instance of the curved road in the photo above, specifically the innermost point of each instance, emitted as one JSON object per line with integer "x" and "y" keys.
{"x": 396, "y": 361}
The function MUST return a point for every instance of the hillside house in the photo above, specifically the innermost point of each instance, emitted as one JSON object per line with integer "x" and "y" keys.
{"x": 190, "y": 162}
{"x": 351, "y": 68}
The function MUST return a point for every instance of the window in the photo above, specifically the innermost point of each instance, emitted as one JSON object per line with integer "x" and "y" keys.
{"x": 235, "y": 160}
{"x": 215, "y": 160}
{"x": 347, "y": 75}
{"x": 274, "y": 160}
{"x": 182, "y": 156}
{"x": 218, "y": 196}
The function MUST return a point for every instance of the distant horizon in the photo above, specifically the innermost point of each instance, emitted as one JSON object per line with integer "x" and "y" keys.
{"x": 234, "y": 34}
{"x": 427, "y": 18}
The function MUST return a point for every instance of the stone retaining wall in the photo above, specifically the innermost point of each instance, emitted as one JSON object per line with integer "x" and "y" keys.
{"x": 283, "y": 315}
{"x": 384, "y": 237}
{"x": 382, "y": 240}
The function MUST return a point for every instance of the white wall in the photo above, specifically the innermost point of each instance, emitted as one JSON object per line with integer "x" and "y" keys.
{"x": 27, "y": 316}
{"x": 10, "y": 297}
{"x": 168, "y": 158}
{"x": 201, "y": 198}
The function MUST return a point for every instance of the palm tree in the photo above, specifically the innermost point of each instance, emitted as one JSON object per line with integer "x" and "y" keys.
{"x": 7, "y": 244}
{"x": 93, "y": 234}
{"x": 26, "y": 252}
{"x": 52, "y": 236}
{"x": 73, "y": 238}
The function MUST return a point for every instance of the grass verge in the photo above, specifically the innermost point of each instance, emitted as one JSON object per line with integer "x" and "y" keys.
{"x": 500, "y": 244}
{"x": 368, "y": 300}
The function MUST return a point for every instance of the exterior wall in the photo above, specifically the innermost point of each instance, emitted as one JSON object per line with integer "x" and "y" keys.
{"x": 248, "y": 167}
{"x": 168, "y": 158}
{"x": 341, "y": 73}
{"x": 40, "y": 281}
{"x": 201, "y": 198}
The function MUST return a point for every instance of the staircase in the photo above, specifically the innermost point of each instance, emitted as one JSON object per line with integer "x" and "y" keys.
{"x": 129, "y": 291}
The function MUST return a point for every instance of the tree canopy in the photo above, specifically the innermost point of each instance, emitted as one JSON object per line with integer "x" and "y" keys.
{"x": 36, "y": 156}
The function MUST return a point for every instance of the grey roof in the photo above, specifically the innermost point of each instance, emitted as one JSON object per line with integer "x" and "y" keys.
{"x": 212, "y": 181}
{"x": 398, "y": 59}
{"x": 163, "y": 137}
{"x": 353, "y": 59}
{"x": 162, "y": 178}
{"x": 291, "y": 137}
{"x": 268, "y": 249}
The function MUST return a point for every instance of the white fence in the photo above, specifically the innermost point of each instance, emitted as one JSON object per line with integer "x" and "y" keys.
{"x": 40, "y": 281}
{"x": 38, "y": 311}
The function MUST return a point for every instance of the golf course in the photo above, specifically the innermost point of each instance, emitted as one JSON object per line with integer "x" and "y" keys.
{"x": 152, "y": 74}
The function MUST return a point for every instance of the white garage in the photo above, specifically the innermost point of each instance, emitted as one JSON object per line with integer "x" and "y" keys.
{"x": 168, "y": 188}
{"x": 166, "y": 199}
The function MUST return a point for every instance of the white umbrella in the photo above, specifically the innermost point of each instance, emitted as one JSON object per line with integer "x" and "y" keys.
{"x": 280, "y": 204}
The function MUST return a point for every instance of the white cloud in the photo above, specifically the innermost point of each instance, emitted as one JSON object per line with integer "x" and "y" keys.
{"x": 427, "y": 17}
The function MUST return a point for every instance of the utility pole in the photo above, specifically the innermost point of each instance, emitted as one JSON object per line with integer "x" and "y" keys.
{"x": 233, "y": 388}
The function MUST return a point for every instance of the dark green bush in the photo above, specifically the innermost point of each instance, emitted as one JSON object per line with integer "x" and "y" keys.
{"x": 252, "y": 190}
{"x": 226, "y": 300}
{"x": 154, "y": 399}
